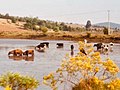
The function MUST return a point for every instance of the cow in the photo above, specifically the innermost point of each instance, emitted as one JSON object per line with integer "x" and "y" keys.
{"x": 59, "y": 45}
{"x": 41, "y": 47}
{"x": 99, "y": 46}
{"x": 29, "y": 52}
{"x": 16, "y": 52}
{"x": 45, "y": 43}
{"x": 105, "y": 49}
{"x": 72, "y": 49}
{"x": 111, "y": 46}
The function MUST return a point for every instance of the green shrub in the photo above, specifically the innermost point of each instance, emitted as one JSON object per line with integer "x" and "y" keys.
{"x": 44, "y": 29}
{"x": 105, "y": 31}
{"x": 17, "y": 81}
{"x": 56, "y": 29}
{"x": 88, "y": 35}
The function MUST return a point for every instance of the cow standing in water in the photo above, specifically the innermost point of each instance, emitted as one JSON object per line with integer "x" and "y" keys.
{"x": 105, "y": 49}
{"x": 59, "y": 45}
{"x": 41, "y": 47}
{"x": 45, "y": 43}
{"x": 72, "y": 50}
{"x": 99, "y": 46}
{"x": 29, "y": 52}
{"x": 16, "y": 52}
{"x": 111, "y": 46}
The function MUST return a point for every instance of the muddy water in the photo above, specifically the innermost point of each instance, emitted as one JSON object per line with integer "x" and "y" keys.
{"x": 42, "y": 63}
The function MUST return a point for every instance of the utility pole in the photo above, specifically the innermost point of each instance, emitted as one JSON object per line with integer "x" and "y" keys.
{"x": 109, "y": 31}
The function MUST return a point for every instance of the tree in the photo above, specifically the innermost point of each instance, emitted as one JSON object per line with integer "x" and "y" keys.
{"x": 105, "y": 30}
{"x": 13, "y": 19}
{"x": 6, "y": 16}
{"x": 56, "y": 29}
{"x": 44, "y": 30}
{"x": 88, "y": 25}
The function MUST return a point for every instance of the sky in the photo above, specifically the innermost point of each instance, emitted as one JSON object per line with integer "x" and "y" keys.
{"x": 69, "y": 11}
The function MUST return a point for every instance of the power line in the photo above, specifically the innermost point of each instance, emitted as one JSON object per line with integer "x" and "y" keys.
{"x": 103, "y": 14}
{"x": 108, "y": 21}
{"x": 74, "y": 14}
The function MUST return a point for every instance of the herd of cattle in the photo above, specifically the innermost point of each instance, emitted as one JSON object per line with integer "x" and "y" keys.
{"x": 18, "y": 54}
{"x": 101, "y": 47}
{"x": 41, "y": 48}
{"x": 104, "y": 48}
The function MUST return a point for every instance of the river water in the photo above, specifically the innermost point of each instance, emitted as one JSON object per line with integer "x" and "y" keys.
{"x": 42, "y": 63}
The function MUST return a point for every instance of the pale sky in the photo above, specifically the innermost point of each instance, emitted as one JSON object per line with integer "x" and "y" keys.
{"x": 71, "y": 11}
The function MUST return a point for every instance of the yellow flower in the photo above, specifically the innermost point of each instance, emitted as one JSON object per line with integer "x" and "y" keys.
{"x": 46, "y": 77}
{"x": 90, "y": 50}
{"x": 45, "y": 82}
{"x": 111, "y": 86}
{"x": 97, "y": 69}
{"x": 8, "y": 87}
{"x": 96, "y": 54}
{"x": 89, "y": 45}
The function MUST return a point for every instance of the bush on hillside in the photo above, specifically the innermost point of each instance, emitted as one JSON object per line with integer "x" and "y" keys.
{"x": 44, "y": 30}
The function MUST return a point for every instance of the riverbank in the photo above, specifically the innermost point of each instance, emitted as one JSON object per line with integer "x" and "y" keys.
{"x": 13, "y": 31}
{"x": 71, "y": 36}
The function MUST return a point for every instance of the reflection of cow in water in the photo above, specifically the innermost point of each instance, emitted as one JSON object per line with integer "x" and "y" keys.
{"x": 16, "y": 52}
{"x": 16, "y": 58}
{"x": 19, "y": 58}
{"x": 28, "y": 52}
{"x": 28, "y": 58}
{"x": 59, "y": 45}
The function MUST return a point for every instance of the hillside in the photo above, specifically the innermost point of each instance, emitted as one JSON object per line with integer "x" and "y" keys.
{"x": 12, "y": 27}
{"x": 16, "y": 31}
{"x": 112, "y": 25}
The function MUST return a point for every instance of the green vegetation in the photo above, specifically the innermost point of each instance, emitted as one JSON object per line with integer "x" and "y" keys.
{"x": 88, "y": 25}
{"x": 15, "y": 81}
{"x": 32, "y": 22}
{"x": 44, "y": 30}
{"x": 105, "y": 30}
{"x": 88, "y": 35}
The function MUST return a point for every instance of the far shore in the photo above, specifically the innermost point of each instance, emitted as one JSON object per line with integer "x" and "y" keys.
{"x": 69, "y": 36}
{"x": 13, "y": 31}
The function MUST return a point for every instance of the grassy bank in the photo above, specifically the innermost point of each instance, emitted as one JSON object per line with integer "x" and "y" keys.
{"x": 72, "y": 36}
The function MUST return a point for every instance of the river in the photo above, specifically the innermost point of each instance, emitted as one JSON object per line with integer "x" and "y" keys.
{"x": 42, "y": 63}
